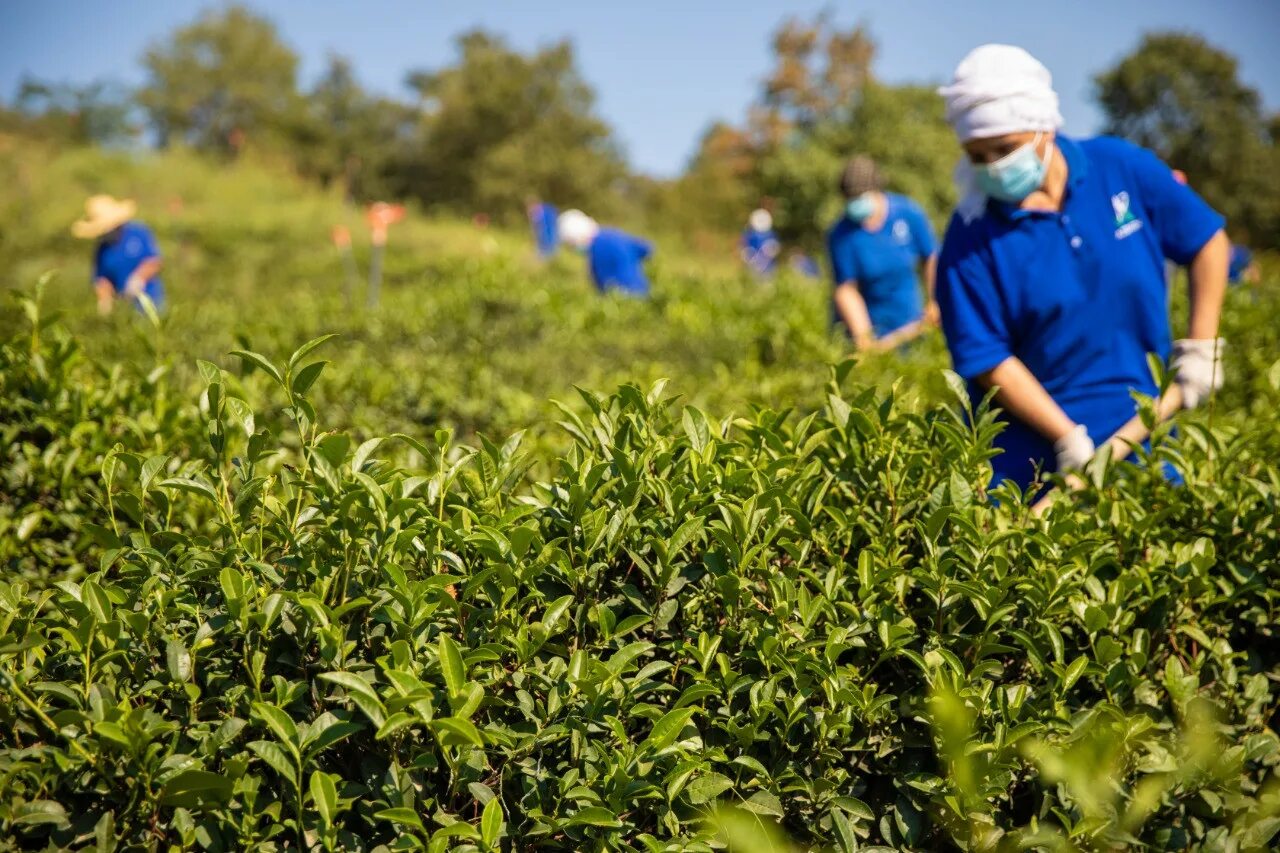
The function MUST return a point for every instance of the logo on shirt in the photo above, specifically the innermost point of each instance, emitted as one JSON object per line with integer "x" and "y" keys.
{"x": 1126, "y": 222}
{"x": 901, "y": 232}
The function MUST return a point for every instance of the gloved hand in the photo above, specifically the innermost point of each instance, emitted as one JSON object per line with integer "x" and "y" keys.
{"x": 1074, "y": 449}
{"x": 1197, "y": 366}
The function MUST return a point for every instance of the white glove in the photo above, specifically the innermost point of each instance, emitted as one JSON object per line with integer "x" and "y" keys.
{"x": 1074, "y": 449}
{"x": 1197, "y": 366}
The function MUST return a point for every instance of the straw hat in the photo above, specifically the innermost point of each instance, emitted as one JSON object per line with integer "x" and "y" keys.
{"x": 103, "y": 214}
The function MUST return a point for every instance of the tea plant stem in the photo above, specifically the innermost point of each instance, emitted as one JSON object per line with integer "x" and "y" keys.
{"x": 44, "y": 718}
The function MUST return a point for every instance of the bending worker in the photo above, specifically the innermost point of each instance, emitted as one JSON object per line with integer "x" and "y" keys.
{"x": 615, "y": 259}
{"x": 127, "y": 261}
{"x": 760, "y": 247}
{"x": 1051, "y": 277}
{"x": 876, "y": 248}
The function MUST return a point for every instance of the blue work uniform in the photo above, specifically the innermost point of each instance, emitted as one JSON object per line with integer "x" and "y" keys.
{"x": 542, "y": 217}
{"x": 882, "y": 263}
{"x": 1077, "y": 295}
{"x": 1241, "y": 258}
{"x": 117, "y": 258}
{"x": 616, "y": 260}
{"x": 761, "y": 250}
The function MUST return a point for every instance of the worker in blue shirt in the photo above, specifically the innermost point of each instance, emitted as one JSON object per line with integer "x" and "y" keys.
{"x": 1241, "y": 267}
{"x": 759, "y": 247}
{"x": 542, "y": 219}
{"x": 127, "y": 260}
{"x": 1051, "y": 276}
{"x": 876, "y": 248}
{"x": 805, "y": 265}
{"x": 614, "y": 258}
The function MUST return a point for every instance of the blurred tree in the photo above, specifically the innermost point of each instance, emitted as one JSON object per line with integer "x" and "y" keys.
{"x": 1181, "y": 97}
{"x": 220, "y": 81}
{"x": 821, "y": 105}
{"x": 718, "y": 187}
{"x": 99, "y": 113}
{"x": 818, "y": 75}
{"x": 500, "y": 126}
{"x": 349, "y": 136}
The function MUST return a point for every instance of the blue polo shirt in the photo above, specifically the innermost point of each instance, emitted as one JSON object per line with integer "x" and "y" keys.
{"x": 754, "y": 244}
{"x": 543, "y": 220}
{"x": 883, "y": 263}
{"x": 117, "y": 259}
{"x": 616, "y": 261}
{"x": 1078, "y": 296}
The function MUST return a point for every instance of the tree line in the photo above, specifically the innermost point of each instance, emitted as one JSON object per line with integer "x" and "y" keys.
{"x": 497, "y": 126}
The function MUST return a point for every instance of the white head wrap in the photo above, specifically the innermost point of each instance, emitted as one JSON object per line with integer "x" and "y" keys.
{"x": 577, "y": 229}
{"x": 760, "y": 220}
{"x": 999, "y": 89}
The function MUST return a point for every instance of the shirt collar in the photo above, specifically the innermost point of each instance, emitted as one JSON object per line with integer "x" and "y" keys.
{"x": 1077, "y": 171}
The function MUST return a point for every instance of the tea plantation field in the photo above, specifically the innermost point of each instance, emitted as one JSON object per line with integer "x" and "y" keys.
{"x": 268, "y": 589}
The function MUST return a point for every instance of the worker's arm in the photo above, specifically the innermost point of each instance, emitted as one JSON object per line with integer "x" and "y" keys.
{"x": 931, "y": 314}
{"x": 106, "y": 295}
{"x": 853, "y": 311}
{"x": 1197, "y": 358}
{"x": 1022, "y": 396}
{"x": 901, "y": 335}
{"x": 137, "y": 282}
{"x": 1207, "y": 286}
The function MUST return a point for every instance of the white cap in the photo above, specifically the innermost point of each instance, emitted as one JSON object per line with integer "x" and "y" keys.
{"x": 760, "y": 220}
{"x": 576, "y": 229}
{"x": 1000, "y": 89}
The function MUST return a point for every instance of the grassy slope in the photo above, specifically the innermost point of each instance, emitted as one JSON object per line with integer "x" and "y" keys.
{"x": 473, "y": 332}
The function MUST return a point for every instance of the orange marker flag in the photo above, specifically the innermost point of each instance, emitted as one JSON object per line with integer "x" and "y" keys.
{"x": 380, "y": 217}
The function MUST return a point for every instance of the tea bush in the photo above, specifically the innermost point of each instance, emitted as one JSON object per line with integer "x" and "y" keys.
{"x": 262, "y": 633}
{"x": 254, "y": 599}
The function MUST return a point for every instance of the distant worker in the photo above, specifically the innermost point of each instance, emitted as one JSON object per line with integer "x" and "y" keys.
{"x": 1051, "y": 279}
{"x": 760, "y": 247}
{"x": 1241, "y": 267}
{"x": 876, "y": 248}
{"x": 805, "y": 265}
{"x": 542, "y": 219}
{"x": 614, "y": 258}
{"x": 127, "y": 261}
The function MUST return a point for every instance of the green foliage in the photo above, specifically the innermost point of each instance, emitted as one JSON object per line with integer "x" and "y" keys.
{"x": 227, "y": 73}
{"x": 500, "y": 125}
{"x": 1182, "y": 97}
{"x": 232, "y": 625}
{"x": 819, "y": 106}
{"x": 98, "y": 113}
{"x": 350, "y": 137}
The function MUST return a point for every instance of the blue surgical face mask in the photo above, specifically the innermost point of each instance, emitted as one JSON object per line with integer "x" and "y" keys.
{"x": 861, "y": 207}
{"x": 1014, "y": 176}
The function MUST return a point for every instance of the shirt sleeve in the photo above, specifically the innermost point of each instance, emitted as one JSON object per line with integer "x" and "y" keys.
{"x": 98, "y": 270}
{"x": 973, "y": 316}
{"x": 1184, "y": 221}
{"x": 922, "y": 233}
{"x": 643, "y": 249}
{"x": 844, "y": 264}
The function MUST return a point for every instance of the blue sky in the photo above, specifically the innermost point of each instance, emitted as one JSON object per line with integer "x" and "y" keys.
{"x": 663, "y": 69}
